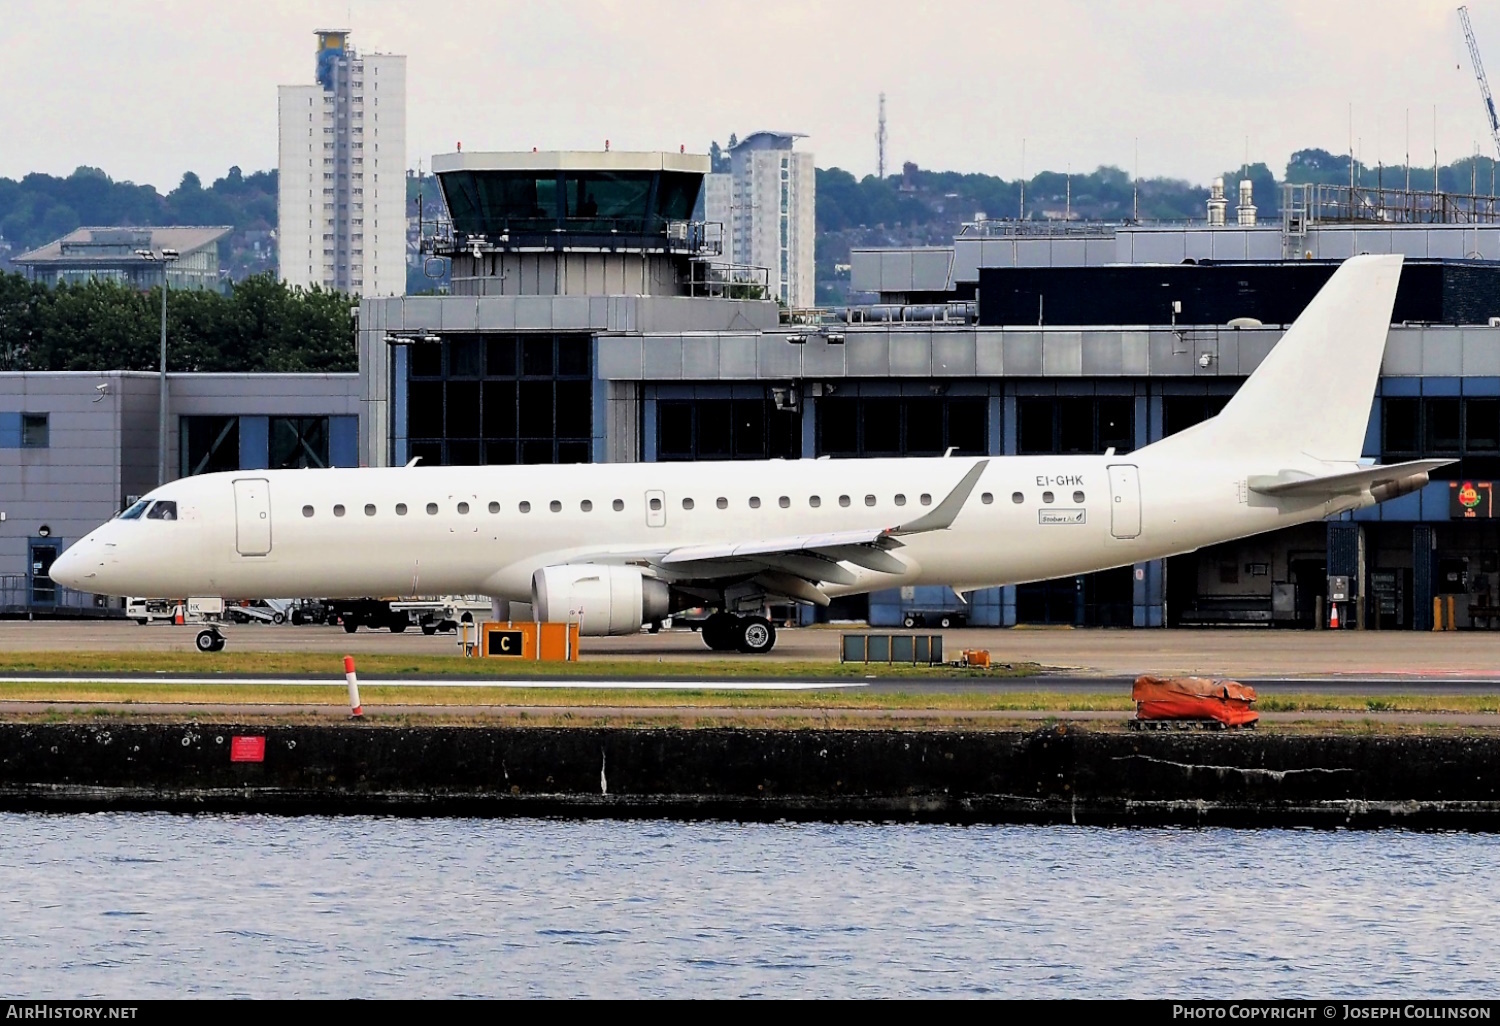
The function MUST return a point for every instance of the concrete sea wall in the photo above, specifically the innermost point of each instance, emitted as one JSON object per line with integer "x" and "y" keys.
{"x": 1057, "y": 775}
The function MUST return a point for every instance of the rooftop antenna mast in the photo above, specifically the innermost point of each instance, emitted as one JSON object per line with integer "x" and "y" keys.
{"x": 880, "y": 142}
{"x": 1484, "y": 85}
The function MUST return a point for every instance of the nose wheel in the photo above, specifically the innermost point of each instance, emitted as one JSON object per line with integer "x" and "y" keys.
{"x": 210, "y": 640}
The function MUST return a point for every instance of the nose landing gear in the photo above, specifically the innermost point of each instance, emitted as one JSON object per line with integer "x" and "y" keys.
{"x": 210, "y": 640}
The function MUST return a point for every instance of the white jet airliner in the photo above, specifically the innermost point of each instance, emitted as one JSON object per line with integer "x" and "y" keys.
{"x": 614, "y": 546}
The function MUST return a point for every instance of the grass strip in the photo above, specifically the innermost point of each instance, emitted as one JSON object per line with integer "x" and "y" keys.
{"x": 728, "y": 667}
{"x": 375, "y": 695}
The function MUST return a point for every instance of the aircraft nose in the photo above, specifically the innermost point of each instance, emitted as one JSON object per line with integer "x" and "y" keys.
{"x": 68, "y": 568}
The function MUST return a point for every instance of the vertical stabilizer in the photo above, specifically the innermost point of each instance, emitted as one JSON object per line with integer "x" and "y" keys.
{"x": 1311, "y": 395}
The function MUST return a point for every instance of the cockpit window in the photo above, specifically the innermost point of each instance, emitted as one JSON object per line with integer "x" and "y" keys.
{"x": 136, "y": 509}
{"x": 162, "y": 509}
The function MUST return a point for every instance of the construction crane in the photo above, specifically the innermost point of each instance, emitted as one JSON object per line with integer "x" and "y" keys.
{"x": 1484, "y": 85}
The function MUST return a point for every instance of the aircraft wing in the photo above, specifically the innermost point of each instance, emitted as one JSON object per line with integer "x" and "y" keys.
{"x": 1396, "y": 478}
{"x": 795, "y": 565}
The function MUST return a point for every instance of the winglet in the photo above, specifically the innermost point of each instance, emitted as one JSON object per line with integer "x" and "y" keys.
{"x": 941, "y": 516}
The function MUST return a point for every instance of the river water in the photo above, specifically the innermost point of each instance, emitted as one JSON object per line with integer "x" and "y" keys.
{"x": 145, "y": 905}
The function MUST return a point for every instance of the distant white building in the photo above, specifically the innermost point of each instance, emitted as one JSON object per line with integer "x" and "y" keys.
{"x": 767, "y": 203}
{"x": 342, "y": 199}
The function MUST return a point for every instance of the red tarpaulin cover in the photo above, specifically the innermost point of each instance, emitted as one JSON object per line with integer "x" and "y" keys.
{"x": 1194, "y": 698}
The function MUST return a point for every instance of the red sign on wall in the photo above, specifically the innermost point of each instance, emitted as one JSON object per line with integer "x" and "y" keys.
{"x": 1471, "y": 500}
{"x": 247, "y": 749}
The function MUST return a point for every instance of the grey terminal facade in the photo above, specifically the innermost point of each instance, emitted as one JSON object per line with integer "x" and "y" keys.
{"x": 591, "y": 321}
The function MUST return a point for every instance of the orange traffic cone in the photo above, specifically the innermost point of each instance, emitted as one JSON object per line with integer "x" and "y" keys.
{"x": 1333, "y": 621}
{"x": 177, "y": 617}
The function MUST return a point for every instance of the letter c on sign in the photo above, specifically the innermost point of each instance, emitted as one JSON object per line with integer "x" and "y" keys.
{"x": 505, "y": 644}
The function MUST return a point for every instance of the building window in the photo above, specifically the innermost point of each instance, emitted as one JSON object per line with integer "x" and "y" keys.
{"x": 726, "y": 429}
{"x": 1076, "y": 425}
{"x": 208, "y": 445}
{"x": 1438, "y": 426}
{"x": 501, "y": 399}
{"x": 298, "y": 442}
{"x": 901, "y": 426}
{"x": 34, "y": 434}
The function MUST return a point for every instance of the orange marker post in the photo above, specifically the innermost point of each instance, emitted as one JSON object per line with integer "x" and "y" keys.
{"x": 355, "y": 709}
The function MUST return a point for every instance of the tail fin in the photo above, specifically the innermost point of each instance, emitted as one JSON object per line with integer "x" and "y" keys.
{"x": 1311, "y": 395}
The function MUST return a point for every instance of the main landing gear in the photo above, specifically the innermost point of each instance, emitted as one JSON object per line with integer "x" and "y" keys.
{"x": 725, "y": 632}
{"x": 210, "y": 640}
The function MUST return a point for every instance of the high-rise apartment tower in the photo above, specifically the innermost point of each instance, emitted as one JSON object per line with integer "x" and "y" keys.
{"x": 342, "y": 199}
{"x": 766, "y": 202}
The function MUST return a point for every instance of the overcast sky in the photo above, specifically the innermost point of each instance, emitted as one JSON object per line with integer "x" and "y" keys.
{"x": 147, "y": 90}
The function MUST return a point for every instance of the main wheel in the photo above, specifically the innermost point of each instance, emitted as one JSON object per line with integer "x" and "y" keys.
{"x": 910, "y": 621}
{"x": 209, "y": 641}
{"x": 429, "y": 628}
{"x": 397, "y": 626}
{"x": 757, "y": 635}
{"x": 719, "y": 632}
{"x": 278, "y": 618}
{"x": 946, "y": 621}
{"x": 350, "y": 626}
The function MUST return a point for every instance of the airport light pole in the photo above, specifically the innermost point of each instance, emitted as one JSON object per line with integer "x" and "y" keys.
{"x": 166, "y": 257}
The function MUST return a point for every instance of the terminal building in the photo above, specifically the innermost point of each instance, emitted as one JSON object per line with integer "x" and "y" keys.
{"x": 592, "y": 319}
{"x": 129, "y": 256}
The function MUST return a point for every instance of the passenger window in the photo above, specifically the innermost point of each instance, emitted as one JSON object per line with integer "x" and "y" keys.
{"x": 1077, "y": 496}
{"x": 784, "y": 502}
{"x": 869, "y": 500}
{"x": 721, "y": 502}
{"x": 655, "y": 504}
{"x": 555, "y": 506}
{"x": 139, "y": 507}
{"x": 900, "y": 499}
{"x": 987, "y": 498}
{"x": 524, "y": 507}
{"x": 586, "y": 506}
{"x": 1017, "y": 498}
{"x": 463, "y": 507}
{"x": 494, "y": 507}
{"x": 400, "y": 509}
{"x": 687, "y": 503}
{"x": 618, "y": 505}
{"x": 1047, "y": 498}
{"x": 338, "y": 509}
{"x": 926, "y": 499}
{"x": 307, "y": 511}
{"x": 369, "y": 509}
{"x": 755, "y": 502}
{"x": 843, "y": 500}
{"x": 162, "y": 509}
{"x": 814, "y": 501}
{"x": 432, "y": 509}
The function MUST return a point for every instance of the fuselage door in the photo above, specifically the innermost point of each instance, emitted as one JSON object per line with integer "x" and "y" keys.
{"x": 1124, "y": 501}
{"x": 252, "y": 516}
{"x": 656, "y": 508}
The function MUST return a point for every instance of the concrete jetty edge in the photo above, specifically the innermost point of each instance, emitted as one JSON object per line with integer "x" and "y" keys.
{"x": 1060, "y": 774}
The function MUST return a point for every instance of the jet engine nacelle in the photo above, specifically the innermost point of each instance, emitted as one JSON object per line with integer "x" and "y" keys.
{"x": 600, "y": 599}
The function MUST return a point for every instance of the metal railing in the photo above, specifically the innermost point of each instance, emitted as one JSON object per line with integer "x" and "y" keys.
{"x": 721, "y": 280}
{"x": 20, "y": 594}
{"x": 698, "y": 238}
{"x": 1305, "y": 205}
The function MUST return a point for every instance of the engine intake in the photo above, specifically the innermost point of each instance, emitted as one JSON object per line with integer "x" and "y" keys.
{"x": 600, "y": 599}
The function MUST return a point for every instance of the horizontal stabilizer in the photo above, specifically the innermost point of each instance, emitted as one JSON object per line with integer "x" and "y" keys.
{"x": 1384, "y": 482}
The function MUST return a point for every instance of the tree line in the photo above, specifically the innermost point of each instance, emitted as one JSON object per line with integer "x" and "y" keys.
{"x": 259, "y": 325}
